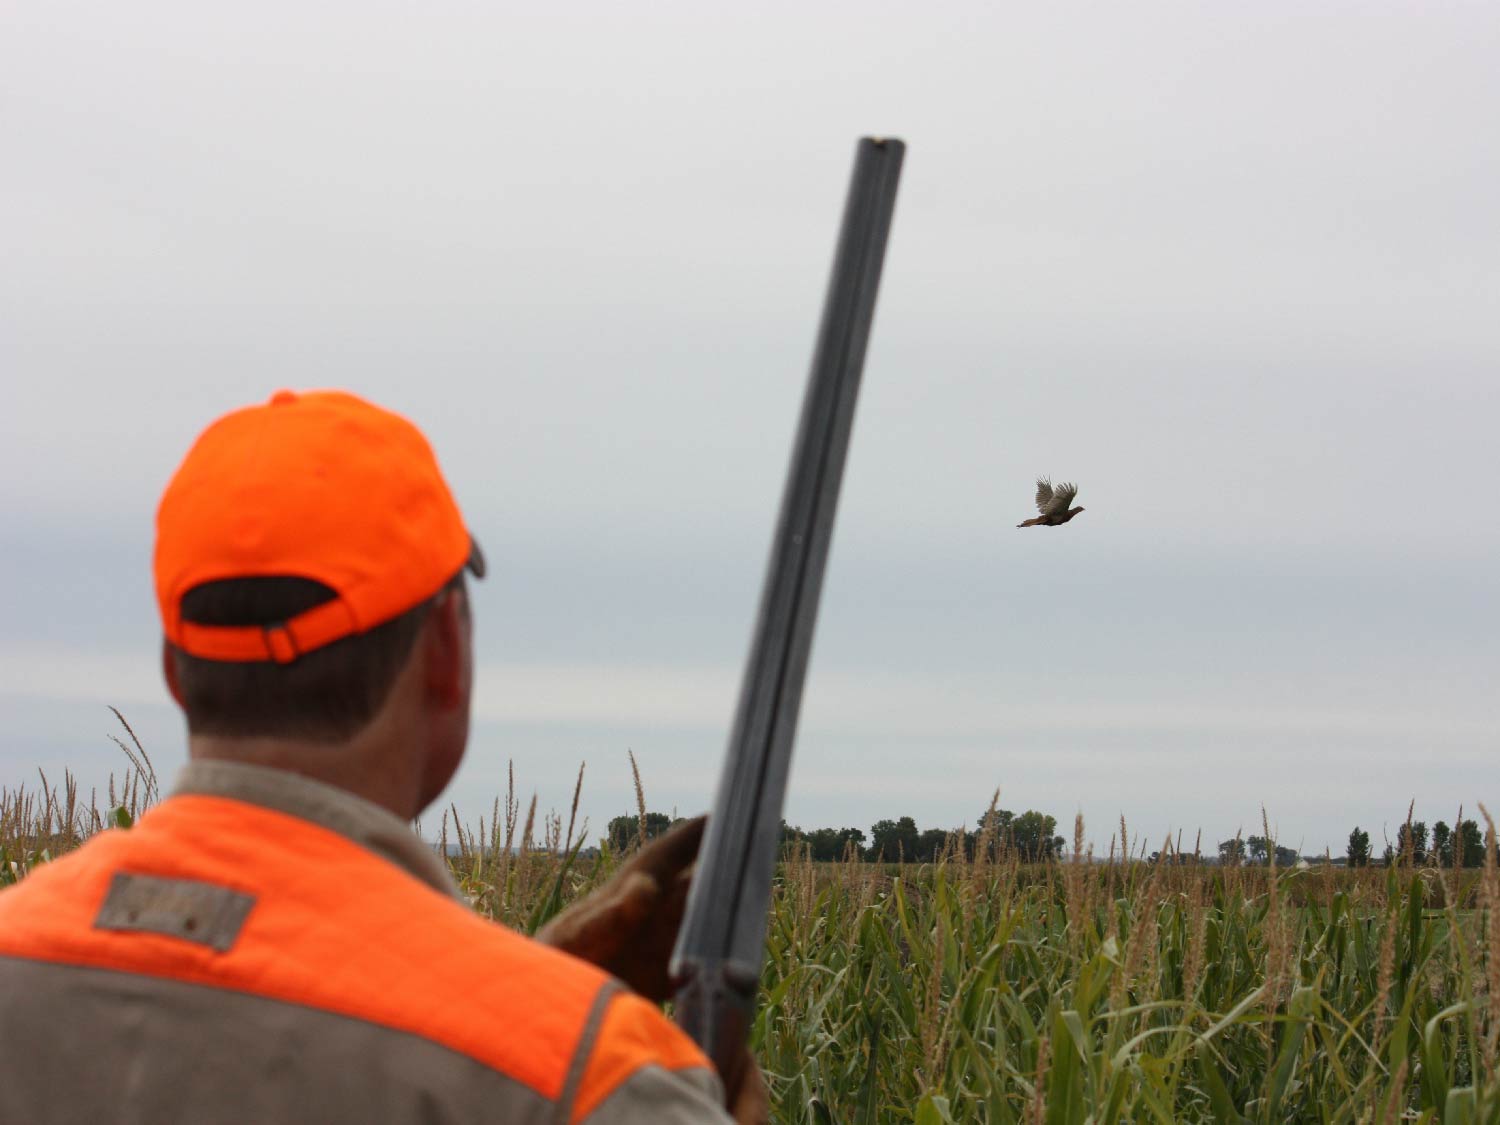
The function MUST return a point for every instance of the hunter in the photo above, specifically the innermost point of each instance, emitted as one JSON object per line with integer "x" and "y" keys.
{"x": 272, "y": 942}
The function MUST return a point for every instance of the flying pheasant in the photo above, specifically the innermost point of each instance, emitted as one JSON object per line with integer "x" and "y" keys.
{"x": 1053, "y": 504}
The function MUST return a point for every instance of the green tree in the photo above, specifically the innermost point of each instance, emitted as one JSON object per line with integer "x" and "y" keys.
{"x": 625, "y": 830}
{"x": 1359, "y": 848}
{"x": 790, "y": 835}
{"x": 1002, "y": 820}
{"x": 1034, "y": 835}
{"x": 1232, "y": 852}
{"x": 1470, "y": 845}
{"x": 1411, "y": 841}
{"x": 999, "y": 822}
{"x": 829, "y": 844}
{"x": 1442, "y": 844}
{"x": 1261, "y": 848}
{"x": 930, "y": 844}
{"x": 893, "y": 839}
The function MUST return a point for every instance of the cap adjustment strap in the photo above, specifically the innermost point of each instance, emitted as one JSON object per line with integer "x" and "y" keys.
{"x": 282, "y": 642}
{"x": 281, "y": 645}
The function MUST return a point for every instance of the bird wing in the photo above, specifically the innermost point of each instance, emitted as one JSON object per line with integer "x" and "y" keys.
{"x": 1043, "y": 494}
{"x": 1058, "y": 499}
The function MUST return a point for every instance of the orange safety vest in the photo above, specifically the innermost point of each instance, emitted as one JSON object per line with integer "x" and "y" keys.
{"x": 320, "y": 922}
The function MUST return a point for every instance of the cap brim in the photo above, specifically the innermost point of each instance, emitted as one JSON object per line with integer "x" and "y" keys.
{"x": 476, "y": 562}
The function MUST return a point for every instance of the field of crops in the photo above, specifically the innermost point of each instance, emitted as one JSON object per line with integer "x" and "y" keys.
{"x": 987, "y": 990}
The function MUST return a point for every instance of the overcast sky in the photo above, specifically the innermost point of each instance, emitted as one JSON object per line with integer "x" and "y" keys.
{"x": 1233, "y": 268}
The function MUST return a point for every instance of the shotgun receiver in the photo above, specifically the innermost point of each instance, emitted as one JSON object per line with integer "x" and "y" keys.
{"x": 717, "y": 961}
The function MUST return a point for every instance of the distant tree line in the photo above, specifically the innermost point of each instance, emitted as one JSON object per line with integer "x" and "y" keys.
{"x": 1449, "y": 847}
{"x": 1032, "y": 836}
{"x": 1411, "y": 846}
{"x": 626, "y": 830}
{"x": 1255, "y": 849}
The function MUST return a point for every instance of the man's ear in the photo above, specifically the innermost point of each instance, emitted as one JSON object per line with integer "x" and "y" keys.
{"x": 169, "y": 670}
{"x": 445, "y": 642}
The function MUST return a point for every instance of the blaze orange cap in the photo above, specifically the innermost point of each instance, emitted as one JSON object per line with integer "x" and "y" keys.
{"x": 322, "y": 485}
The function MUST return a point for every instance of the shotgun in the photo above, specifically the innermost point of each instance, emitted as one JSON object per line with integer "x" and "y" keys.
{"x": 717, "y": 960}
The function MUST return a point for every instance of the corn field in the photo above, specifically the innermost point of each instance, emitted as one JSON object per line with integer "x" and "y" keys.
{"x": 982, "y": 989}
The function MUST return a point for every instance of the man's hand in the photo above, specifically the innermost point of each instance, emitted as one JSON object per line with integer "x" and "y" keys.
{"x": 628, "y": 926}
{"x": 748, "y": 1100}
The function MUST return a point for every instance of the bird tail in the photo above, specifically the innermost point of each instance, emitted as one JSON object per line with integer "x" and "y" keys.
{"x": 1030, "y": 523}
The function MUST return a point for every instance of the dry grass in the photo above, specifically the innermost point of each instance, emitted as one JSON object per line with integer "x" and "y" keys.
{"x": 39, "y": 823}
{"x": 984, "y": 989}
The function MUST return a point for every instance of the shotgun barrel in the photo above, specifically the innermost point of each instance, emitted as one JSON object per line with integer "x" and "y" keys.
{"x": 717, "y": 960}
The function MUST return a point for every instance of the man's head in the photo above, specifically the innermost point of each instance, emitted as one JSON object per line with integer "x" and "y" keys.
{"x": 309, "y": 571}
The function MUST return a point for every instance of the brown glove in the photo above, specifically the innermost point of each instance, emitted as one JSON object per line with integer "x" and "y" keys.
{"x": 628, "y": 928}
{"x": 748, "y": 1099}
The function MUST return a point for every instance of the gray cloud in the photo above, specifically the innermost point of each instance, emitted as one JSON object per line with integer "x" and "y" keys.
{"x": 1234, "y": 270}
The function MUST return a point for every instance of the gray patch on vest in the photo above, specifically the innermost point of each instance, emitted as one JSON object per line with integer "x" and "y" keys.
{"x": 205, "y": 913}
